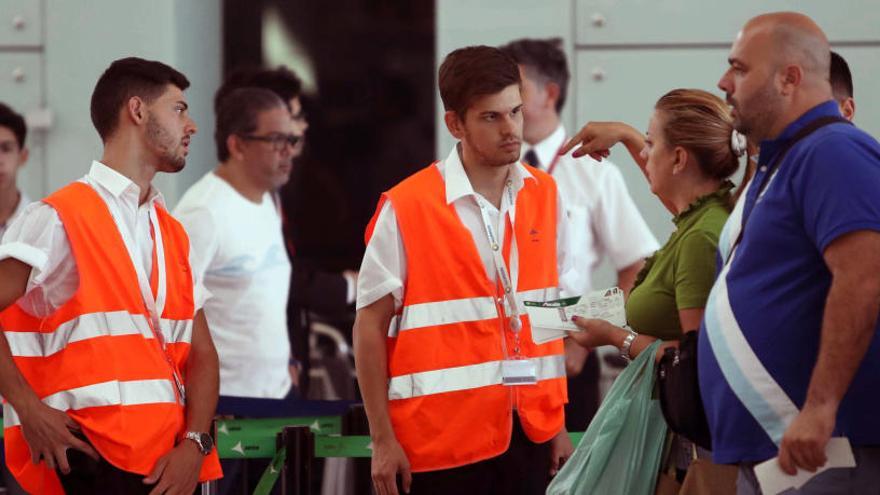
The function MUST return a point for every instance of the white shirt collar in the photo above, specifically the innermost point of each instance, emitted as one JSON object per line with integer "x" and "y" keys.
{"x": 549, "y": 147}
{"x": 119, "y": 185}
{"x": 458, "y": 185}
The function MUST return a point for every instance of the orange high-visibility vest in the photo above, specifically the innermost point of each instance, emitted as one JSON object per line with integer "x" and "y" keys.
{"x": 98, "y": 357}
{"x": 446, "y": 401}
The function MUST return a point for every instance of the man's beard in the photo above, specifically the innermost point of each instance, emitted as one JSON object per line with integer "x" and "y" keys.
{"x": 499, "y": 158}
{"x": 762, "y": 110}
{"x": 163, "y": 142}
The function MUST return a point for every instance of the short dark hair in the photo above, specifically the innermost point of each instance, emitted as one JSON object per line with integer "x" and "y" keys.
{"x": 474, "y": 71}
{"x": 124, "y": 79}
{"x": 544, "y": 61}
{"x": 238, "y": 114}
{"x": 841, "y": 77}
{"x": 14, "y": 122}
{"x": 281, "y": 81}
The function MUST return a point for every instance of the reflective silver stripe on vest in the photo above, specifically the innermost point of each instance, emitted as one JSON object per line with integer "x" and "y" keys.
{"x": 464, "y": 310}
{"x": 446, "y": 312}
{"x": 84, "y": 327}
{"x": 466, "y": 378}
{"x": 176, "y": 331}
{"x": 113, "y": 393}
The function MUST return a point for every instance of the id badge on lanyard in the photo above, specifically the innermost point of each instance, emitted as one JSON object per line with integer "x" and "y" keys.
{"x": 515, "y": 370}
{"x": 154, "y": 305}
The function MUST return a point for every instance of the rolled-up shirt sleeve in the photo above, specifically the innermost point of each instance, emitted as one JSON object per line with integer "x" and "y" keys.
{"x": 383, "y": 269}
{"x": 37, "y": 238}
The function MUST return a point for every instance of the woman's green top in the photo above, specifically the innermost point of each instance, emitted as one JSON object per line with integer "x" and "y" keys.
{"x": 681, "y": 273}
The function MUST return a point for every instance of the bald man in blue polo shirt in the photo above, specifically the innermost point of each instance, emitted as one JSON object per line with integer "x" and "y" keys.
{"x": 790, "y": 348}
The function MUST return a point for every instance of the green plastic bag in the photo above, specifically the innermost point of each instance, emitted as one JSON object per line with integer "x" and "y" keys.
{"x": 621, "y": 450}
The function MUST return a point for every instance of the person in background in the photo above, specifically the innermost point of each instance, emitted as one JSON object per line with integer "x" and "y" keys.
{"x": 687, "y": 157}
{"x": 605, "y": 223}
{"x": 842, "y": 86}
{"x": 235, "y": 230}
{"x": 13, "y": 156}
{"x": 313, "y": 290}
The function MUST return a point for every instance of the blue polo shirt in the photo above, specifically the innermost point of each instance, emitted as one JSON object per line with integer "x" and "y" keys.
{"x": 827, "y": 185}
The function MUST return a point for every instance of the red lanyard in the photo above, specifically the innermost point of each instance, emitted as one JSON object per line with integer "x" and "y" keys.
{"x": 555, "y": 159}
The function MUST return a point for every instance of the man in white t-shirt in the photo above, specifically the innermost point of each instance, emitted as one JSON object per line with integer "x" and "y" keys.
{"x": 605, "y": 223}
{"x": 235, "y": 230}
{"x": 13, "y": 155}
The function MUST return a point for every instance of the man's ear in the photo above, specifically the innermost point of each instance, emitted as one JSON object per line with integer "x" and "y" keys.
{"x": 454, "y": 124}
{"x": 848, "y": 108}
{"x": 23, "y": 156}
{"x": 682, "y": 160}
{"x": 553, "y": 92}
{"x": 234, "y": 146}
{"x": 790, "y": 78}
{"x": 136, "y": 110}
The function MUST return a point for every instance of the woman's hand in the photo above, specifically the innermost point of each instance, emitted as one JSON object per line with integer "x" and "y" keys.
{"x": 595, "y": 332}
{"x": 596, "y": 139}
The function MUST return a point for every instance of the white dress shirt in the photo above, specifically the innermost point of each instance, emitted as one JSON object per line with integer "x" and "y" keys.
{"x": 37, "y": 238}
{"x": 23, "y": 201}
{"x": 383, "y": 270}
{"x": 605, "y": 221}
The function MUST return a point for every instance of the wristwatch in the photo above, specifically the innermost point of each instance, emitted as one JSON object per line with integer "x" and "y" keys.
{"x": 203, "y": 440}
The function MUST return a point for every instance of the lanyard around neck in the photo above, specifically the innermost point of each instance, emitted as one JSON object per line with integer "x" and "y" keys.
{"x": 508, "y": 284}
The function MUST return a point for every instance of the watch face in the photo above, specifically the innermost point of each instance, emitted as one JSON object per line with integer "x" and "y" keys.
{"x": 206, "y": 441}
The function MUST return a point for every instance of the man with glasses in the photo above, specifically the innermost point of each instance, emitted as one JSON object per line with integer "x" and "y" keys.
{"x": 314, "y": 289}
{"x": 235, "y": 230}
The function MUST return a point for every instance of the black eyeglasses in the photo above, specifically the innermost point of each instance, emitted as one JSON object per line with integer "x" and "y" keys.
{"x": 278, "y": 141}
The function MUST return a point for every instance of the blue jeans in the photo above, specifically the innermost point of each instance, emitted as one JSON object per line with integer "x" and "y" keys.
{"x": 864, "y": 479}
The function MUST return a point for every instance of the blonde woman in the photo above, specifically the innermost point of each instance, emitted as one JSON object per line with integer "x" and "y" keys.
{"x": 687, "y": 156}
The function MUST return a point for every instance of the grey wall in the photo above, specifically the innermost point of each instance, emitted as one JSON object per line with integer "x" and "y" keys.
{"x": 65, "y": 45}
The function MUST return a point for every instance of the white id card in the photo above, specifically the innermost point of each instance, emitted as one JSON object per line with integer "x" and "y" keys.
{"x": 518, "y": 372}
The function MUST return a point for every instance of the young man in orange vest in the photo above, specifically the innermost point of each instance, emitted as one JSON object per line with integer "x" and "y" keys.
{"x": 459, "y": 397}
{"x": 106, "y": 362}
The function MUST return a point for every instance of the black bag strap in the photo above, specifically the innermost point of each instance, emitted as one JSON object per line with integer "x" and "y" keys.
{"x": 777, "y": 160}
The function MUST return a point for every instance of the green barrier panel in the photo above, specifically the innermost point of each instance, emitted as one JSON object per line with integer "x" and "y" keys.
{"x": 255, "y": 438}
{"x": 359, "y": 446}
{"x": 352, "y": 446}
{"x": 270, "y": 475}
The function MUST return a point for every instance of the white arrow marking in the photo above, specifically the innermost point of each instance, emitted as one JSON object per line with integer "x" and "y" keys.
{"x": 315, "y": 426}
{"x": 223, "y": 429}
{"x": 238, "y": 448}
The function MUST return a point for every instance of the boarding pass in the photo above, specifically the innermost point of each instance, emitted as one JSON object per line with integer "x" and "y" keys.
{"x": 551, "y": 320}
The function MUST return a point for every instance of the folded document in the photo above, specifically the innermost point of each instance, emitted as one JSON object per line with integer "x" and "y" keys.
{"x": 773, "y": 479}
